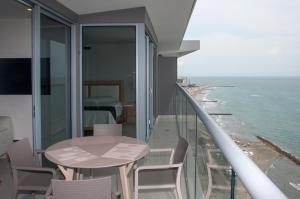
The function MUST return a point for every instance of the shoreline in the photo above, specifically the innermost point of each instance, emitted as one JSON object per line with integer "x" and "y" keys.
{"x": 259, "y": 152}
{"x": 277, "y": 148}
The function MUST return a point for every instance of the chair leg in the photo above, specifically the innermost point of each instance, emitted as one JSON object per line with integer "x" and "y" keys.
{"x": 175, "y": 193}
{"x": 77, "y": 174}
{"x": 136, "y": 193}
{"x": 118, "y": 183}
{"x": 136, "y": 184}
{"x": 15, "y": 190}
{"x": 91, "y": 173}
{"x": 179, "y": 194}
{"x": 14, "y": 194}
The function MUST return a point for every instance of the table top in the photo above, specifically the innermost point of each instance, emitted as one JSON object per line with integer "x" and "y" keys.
{"x": 94, "y": 148}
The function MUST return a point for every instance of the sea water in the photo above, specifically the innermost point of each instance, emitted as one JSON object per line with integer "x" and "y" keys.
{"x": 268, "y": 107}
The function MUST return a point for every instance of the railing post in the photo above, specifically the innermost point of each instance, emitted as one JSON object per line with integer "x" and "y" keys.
{"x": 186, "y": 137}
{"x": 196, "y": 155}
{"x": 186, "y": 119}
{"x": 232, "y": 189}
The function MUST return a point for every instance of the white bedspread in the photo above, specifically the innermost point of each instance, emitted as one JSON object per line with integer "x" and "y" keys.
{"x": 98, "y": 117}
{"x": 104, "y": 101}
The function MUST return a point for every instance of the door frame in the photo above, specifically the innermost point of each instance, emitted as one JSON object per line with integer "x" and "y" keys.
{"x": 150, "y": 54}
{"x": 37, "y": 10}
{"x": 151, "y": 84}
{"x": 141, "y": 111}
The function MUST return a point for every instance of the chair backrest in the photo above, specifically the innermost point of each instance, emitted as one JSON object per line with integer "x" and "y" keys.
{"x": 20, "y": 153}
{"x": 180, "y": 151}
{"x": 6, "y": 134}
{"x": 99, "y": 188}
{"x": 108, "y": 129}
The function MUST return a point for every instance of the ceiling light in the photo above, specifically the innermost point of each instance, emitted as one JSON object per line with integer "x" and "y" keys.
{"x": 29, "y": 9}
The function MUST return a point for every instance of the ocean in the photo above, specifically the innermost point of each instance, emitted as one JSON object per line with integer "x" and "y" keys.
{"x": 269, "y": 107}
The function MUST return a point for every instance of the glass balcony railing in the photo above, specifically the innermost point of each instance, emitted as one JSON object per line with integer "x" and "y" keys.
{"x": 215, "y": 166}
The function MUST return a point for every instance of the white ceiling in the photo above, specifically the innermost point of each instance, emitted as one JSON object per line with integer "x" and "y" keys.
{"x": 187, "y": 47}
{"x": 169, "y": 17}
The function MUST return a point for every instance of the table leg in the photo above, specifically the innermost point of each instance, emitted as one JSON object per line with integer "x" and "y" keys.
{"x": 68, "y": 172}
{"x": 124, "y": 170}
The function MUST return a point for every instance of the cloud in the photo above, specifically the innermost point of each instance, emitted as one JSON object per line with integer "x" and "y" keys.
{"x": 180, "y": 63}
{"x": 275, "y": 50}
{"x": 243, "y": 38}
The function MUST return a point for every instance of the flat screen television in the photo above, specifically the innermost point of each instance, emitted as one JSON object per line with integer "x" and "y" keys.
{"x": 15, "y": 76}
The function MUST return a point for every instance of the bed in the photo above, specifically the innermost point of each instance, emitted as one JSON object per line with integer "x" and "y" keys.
{"x": 103, "y": 102}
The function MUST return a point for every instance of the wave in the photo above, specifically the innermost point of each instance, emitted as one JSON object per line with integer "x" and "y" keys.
{"x": 222, "y": 102}
{"x": 255, "y": 95}
{"x": 296, "y": 186}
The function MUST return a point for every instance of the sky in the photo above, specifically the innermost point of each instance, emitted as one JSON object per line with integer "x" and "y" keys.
{"x": 244, "y": 38}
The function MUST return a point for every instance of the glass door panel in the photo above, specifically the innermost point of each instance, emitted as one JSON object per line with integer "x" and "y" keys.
{"x": 55, "y": 81}
{"x": 109, "y": 77}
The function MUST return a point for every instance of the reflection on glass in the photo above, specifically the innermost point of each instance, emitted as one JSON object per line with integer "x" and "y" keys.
{"x": 109, "y": 83}
{"x": 55, "y": 81}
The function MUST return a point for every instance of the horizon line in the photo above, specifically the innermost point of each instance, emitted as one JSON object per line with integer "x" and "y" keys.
{"x": 238, "y": 76}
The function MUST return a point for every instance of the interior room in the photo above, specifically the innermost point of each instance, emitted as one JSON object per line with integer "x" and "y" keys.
{"x": 109, "y": 77}
{"x": 15, "y": 69}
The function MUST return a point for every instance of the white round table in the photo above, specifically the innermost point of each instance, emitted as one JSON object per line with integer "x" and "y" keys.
{"x": 97, "y": 152}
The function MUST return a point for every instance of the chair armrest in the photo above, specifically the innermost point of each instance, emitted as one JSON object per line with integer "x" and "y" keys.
{"x": 218, "y": 167}
{"x": 171, "y": 150}
{"x": 158, "y": 167}
{"x": 38, "y": 154}
{"x": 48, "y": 194}
{"x": 39, "y": 151}
{"x": 36, "y": 169}
{"x": 161, "y": 150}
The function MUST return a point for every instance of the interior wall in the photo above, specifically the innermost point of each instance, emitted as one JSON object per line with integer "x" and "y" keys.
{"x": 112, "y": 61}
{"x": 15, "y": 40}
{"x": 167, "y": 77}
{"x": 15, "y": 37}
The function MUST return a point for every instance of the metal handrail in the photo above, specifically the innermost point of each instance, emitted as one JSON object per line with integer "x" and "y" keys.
{"x": 255, "y": 181}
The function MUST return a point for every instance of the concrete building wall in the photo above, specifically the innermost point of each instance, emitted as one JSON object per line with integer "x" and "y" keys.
{"x": 167, "y": 76}
{"x": 131, "y": 15}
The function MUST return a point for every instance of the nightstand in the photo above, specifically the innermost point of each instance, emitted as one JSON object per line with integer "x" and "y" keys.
{"x": 130, "y": 113}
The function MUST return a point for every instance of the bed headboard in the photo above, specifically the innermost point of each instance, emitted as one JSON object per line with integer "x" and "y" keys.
{"x": 91, "y": 86}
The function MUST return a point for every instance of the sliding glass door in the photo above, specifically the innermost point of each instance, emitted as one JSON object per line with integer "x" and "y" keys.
{"x": 55, "y": 102}
{"x": 109, "y": 77}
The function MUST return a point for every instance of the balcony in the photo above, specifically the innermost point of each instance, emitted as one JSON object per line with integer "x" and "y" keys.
{"x": 215, "y": 167}
{"x": 164, "y": 135}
